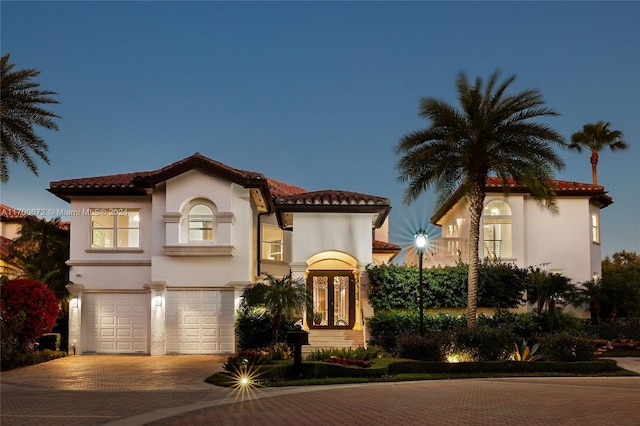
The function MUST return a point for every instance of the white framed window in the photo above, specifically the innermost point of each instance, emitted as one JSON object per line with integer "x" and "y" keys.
{"x": 595, "y": 227}
{"x": 113, "y": 228}
{"x": 272, "y": 243}
{"x": 200, "y": 220}
{"x": 496, "y": 225}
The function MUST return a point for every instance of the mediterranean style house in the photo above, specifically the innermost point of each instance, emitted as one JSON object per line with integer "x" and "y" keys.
{"x": 514, "y": 228}
{"x": 159, "y": 259}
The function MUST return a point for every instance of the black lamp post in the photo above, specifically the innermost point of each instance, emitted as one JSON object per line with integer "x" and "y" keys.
{"x": 421, "y": 243}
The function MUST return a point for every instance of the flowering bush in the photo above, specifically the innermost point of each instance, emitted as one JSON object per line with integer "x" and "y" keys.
{"x": 349, "y": 361}
{"x": 29, "y": 309}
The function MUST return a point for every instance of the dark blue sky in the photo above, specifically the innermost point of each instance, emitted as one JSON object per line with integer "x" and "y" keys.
{"x": 316, "y": 94}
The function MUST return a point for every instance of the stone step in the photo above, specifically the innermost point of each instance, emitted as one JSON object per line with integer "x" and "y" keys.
{"x": 327, "y": 339}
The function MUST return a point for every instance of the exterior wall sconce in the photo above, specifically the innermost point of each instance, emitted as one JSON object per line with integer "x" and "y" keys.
{"x": 158, "y": 300}
{"x": 74, "y": 303}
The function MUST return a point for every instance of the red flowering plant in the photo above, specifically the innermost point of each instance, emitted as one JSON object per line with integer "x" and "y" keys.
{"x": 29, "y": 309}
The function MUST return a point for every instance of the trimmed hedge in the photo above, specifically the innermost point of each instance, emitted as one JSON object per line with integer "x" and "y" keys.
{"x": 319, "y": 370}
{"x": 502, "y": 367}
{"x": 501, "y": 285}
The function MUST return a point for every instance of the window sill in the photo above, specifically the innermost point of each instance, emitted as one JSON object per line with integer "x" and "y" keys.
{"x": 121, "y": 250}
{"x": 199, "y": 250}
{"x": 273, "y": 262}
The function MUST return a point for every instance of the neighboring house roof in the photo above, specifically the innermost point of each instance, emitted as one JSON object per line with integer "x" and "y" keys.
{"x": 9, "y": 214}
{"x": 562, "y": 188}
{"x": 269, "y": 194}
{"x": 383, "y": 247}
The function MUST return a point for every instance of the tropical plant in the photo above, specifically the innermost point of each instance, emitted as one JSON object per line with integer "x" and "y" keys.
{"x": 279, "y": 296}
{"x": 20, "y": 104}
{"x": 40, "y": 253}
{"x": 547, "y": 289}
{"x": 525, "y": 353}
{"x": 492, "y": 133}
{"x": 595, "y": 137}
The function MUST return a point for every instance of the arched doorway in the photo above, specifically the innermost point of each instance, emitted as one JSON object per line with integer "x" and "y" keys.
{"x": 332, "y": 280}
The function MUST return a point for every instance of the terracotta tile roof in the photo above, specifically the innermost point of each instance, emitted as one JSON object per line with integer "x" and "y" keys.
{"x": 125, "y": 180}
{"x": 562, "y": 188}
{"x": 281, "y": 193}
{"x": 281, "y": 189}
{"x": 385, "y": 246}
{"x": 558, "y": 185}
{"x": 333, "y": 198}
{"x": 8, "y": 214}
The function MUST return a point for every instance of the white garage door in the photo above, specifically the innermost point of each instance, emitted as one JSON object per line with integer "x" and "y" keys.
{"x": 115, "y": 322}
{"x": 199, "y": 321}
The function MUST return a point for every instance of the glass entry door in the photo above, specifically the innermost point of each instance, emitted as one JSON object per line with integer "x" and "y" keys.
{"x": 333, "y": 299}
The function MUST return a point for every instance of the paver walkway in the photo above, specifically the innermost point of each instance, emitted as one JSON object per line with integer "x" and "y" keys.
{"x": 137, "y": 390}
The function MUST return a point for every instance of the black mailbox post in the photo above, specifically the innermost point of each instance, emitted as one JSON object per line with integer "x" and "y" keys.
{"x": 296, "y": 338}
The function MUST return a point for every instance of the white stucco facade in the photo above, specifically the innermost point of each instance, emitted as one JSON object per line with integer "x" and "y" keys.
{"x": 530, "y": 235}
{"x": 162, "y": 279}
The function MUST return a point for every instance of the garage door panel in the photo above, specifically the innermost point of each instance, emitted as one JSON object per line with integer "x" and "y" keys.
{"x": 194, "y": 318}
{"x": 115, "y": 322}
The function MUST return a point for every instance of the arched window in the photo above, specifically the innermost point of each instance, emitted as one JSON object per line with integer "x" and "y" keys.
{"x": 496, "y": 225}
{"x": 200, "y": 223}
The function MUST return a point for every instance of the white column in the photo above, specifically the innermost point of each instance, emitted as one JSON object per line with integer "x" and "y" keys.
{"x": 157, "y": 325}
{"x": 75, "y": 319}
{"x": 299, "y": 272}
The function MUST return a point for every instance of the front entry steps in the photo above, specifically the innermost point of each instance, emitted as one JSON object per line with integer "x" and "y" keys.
{"x": 333, "y": 338}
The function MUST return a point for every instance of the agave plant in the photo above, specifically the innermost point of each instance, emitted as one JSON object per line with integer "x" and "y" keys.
{"x": 524, "y": 353}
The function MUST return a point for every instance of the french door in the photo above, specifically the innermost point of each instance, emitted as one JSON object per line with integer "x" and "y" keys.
{"x": 333, "y": 299}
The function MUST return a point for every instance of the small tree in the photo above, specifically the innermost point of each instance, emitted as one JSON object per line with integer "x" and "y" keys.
{"x": 29, "y": 309}
{"x": 279, "y": 296}
{"x": 547, "y": 289}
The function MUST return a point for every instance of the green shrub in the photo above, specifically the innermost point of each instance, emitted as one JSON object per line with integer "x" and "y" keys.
{"x": 253, "y": 328}
{"x": 622, "y": 328}
{"x": 522, "y": 325}
{"x": 484, "y": 343}
{"x": 49, "y": 341}
{"x": 432, "y": 347}
{"x": 280, "y": 352}
{"x": 567, "y": 347}
{"x": 360, "y": 353}
{"x": 397, "y": 287}
{"x": 557, "y": 321}
{"x": 583, "y": 367}
{"x": 386, "y": 326}
{"x": 245, "y": 359}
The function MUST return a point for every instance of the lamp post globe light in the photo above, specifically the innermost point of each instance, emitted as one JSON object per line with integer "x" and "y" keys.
{"x": 420, "y": 239}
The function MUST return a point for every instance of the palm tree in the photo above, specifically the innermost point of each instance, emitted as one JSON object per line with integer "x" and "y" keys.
{"x": 596, "y": 137}
{"x": 279, "y": 296}
{"x": 40, "y": 253}
{"x": 20, "y": 108}
{"x": 492, "y": 133}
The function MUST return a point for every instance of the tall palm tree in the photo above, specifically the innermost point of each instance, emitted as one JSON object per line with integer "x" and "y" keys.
{"x": 491, "y": 133}
{"x": 21, "y": 110}
{"x": 279, "y": 296}
{"x": 596, "y": 137}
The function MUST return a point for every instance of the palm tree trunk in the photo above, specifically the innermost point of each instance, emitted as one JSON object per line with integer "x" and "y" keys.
{"x": 594, "y": 166}
{"x": 476, "y": 202}
{"x": 275, "y": 327}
